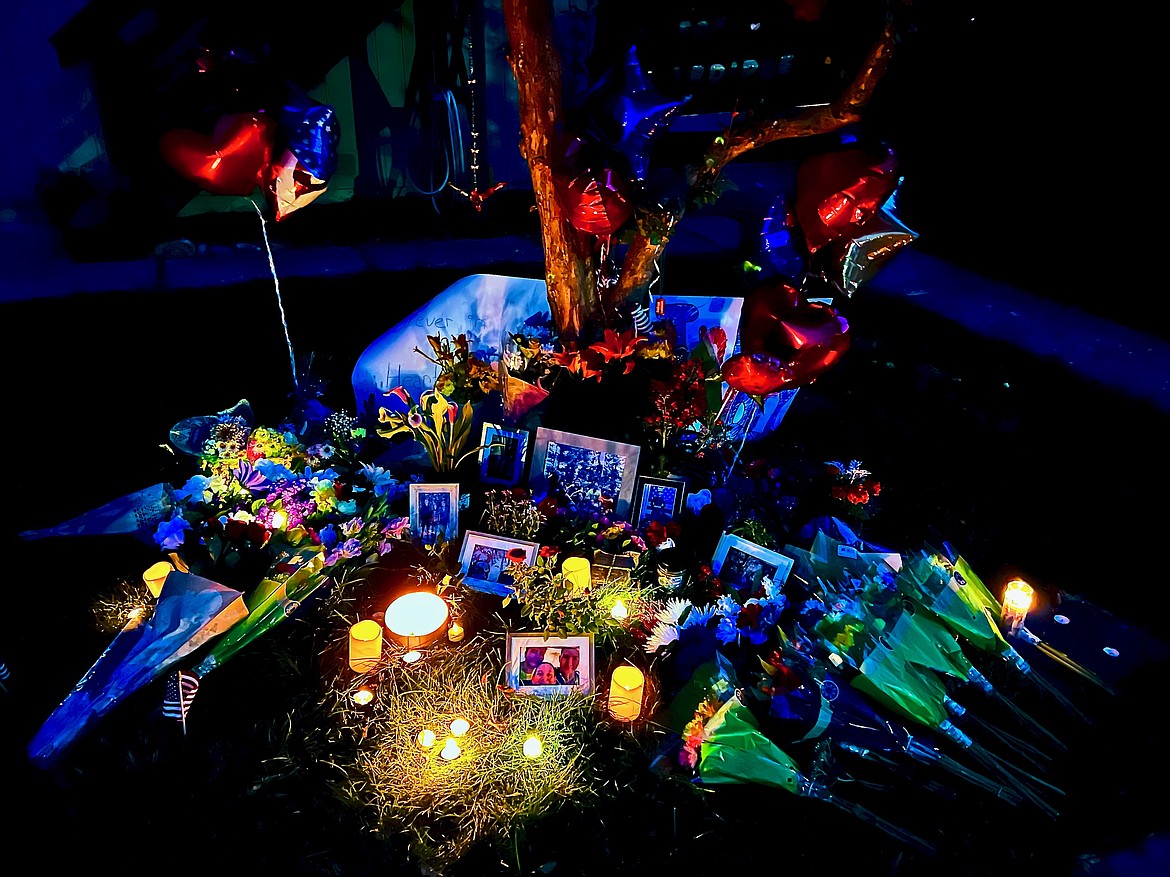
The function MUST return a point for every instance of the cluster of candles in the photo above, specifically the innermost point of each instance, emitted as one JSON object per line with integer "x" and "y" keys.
{"x": 413, "y": 620}
{"x": 450, "y": 750}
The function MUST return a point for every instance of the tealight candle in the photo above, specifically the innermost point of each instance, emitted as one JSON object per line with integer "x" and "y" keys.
{"x": 577, "y": 572}
{"x": 363, "y": 696}
{"x": 450, "y": 749}
{"x": 412, "y": 656}
{"x": 532, "y": 746}
{"x": 455, "y": 632}
{"x": 156, "y": 575}
{"x": 625, "y": 693}
{"x": 459, "y": 727}
{"x": 619, "y": 611}
{"x": 426, "y": 738}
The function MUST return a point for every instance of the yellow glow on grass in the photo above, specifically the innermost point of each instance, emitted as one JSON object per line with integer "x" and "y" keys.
{"x": 492, "y": 787}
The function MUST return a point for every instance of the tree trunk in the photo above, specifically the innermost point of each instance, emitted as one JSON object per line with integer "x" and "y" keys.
{"x": 568, "y": 254}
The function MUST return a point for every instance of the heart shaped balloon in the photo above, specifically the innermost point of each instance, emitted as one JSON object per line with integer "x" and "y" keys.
{"x": 595, "y": 197}
{"x": 232, "y": 161}
{"x": 757, "y": 374}
{"x": 837, "y": 192}
{"x": 786, "y": 341}
{"x": 852, "y": 262}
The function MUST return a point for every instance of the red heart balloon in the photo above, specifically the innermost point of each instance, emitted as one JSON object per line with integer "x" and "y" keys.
{"x": 786, "y": 341}
{"x": 756, "y": 374}
{"x": 232, "y": 161}
{"x": 836, "y": 192}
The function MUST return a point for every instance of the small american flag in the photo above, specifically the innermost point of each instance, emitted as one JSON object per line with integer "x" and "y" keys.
{"x": 181, "y": 689}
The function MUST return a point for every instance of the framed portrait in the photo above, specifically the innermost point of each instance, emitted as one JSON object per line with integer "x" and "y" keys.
{"x": 657, "y": 499}
{"x": 550, "y": 666}
{"x": 594, "y": 474}
{"x": 434, "y": 512}
{"x": 502, "y": 454}
{"x": 745, "y": 565}
{"x": 486, "y": 558}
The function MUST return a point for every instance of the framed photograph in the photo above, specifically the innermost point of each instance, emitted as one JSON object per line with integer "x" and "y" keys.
{"x": 434, "y": 512}
{"x": 745, "y": 565}
{"x": 595, "y": 475}
{"x": 502, "y": 455}
{"x": 485, "y": 560}
{"x": 550, "y": 666}
{"x": 657, "y": 499}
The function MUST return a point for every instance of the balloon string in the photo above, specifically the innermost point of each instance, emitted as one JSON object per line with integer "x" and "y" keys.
{"x": 292, "y": 360}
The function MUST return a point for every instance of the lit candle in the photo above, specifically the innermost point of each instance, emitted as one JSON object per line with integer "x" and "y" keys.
{"x": 1017, "y": 600}
{"x": 156, "y": 575}
{"x": 459, "y": 727}
{"x": 279, "y": 519}
{"x": 625, "y": 693}
{"x": 417, "y": 619}
{"x": 363, "y": 695}
{"x": 426, "y": 738}
{"x": 577, "y": 573}
{"x": 450, "y": 749}
{"x": 365, "y": 646}
{"x": 619, "y": 611}
{"x": 455, "y": 632}
{"x": 532, "y": 746}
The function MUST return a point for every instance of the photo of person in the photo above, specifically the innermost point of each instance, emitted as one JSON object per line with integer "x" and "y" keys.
{"x": 745, "y": 572}
{"x": 487, "y": 561}
{"x": 589, "y": 479}
{"x": 490, "y": 563}
{"x": 544, "y": 674}
{"x": 588, "y": 474}
{"x": 434, "y": 512}
{"x": 550, "y": 666}
{"x": 567, "y": 663}
{"x": 533, "y": 658}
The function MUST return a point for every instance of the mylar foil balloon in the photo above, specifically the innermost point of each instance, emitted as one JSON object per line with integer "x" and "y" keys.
{"x": 779, "y": 240}
{"x": 595, "y": 198}
{"x": 807, "y": 338}
{"x": 757, "y": 374}
{"x": 291, "y": 186}
{"x": 313, "y": 135}
{"x": 838, "y": 192}
{"x": 641, "y": 115}
{"x": 853, "y": 262}
{"x": 232, "y": 161}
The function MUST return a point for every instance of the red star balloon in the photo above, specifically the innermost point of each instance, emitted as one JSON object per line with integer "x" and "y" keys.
{"x": 838, "y": 192}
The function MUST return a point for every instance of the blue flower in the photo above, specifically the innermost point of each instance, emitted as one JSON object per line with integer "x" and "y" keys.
{"x": 169, "y": 534}
{"x": 328, "y": 535}
{"x": 274, "y": 471}
{"x": 347, "y": 550}
{"x": 195, "y": 489}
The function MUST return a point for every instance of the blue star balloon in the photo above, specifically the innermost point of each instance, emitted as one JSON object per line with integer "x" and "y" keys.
{"x": 314, "y": 135}
{"x": 642, "y": 115}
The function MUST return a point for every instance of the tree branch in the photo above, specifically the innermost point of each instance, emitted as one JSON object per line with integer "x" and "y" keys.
{"x": 638, "y": 264}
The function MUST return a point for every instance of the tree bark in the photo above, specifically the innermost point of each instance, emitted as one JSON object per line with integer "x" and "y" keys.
{"x": 570, "y": 272}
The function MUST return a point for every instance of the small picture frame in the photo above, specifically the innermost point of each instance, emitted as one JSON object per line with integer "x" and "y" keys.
{"x": 485, "y": 559}
{"x": 744, "y": 565}
{"x": 550, "y": 665}
{"x": 502, "y": 454}
{"x": 594, "y": 474}
{"x": 434, "y": 512}
{"x": 657, "y": 499}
